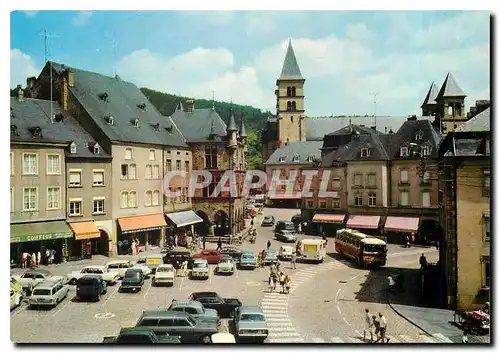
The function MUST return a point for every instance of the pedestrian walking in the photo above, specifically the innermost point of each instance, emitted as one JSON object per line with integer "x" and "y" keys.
{"x": 367, "y": 325}
{"x": 133, "y": 248}
{"x": 423, "y": 262}
{"x": 39, "y": 258}
{"x": 268, "y": 244}
{"x": 33, "y": 259}
{"x": 263, "y": 257}
{"x": 47, "y": 256}
{"x": 383, "y": 328}
{"x": 300, "y": 228}
{"x": 259, "y": 259}
{"x": 219, "y": 244}
{"x": 137, "y": 246}
{"x": 376, "y": 326}
{"x": 293, "y": 261}
{"x": 282, "y": 282}
{"x": 407, "y": 241}
{"x": 412, "y": 238}
{"x": 24, "y": 259}
{"x": 287, "y": 284}
{"x": 324, "y": 238}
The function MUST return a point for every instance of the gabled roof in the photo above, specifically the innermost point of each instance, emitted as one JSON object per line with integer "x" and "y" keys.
{"x": 125, "y": 102}
{"x": 431, "y": 95}
{"x": 450, "y": 88}
{"x": 480, "y": 122}
{"x": 302, "y": 149}
{"x": 290, "y": 69}
{"x": 198, "y": 125}
{"x": 64, "y": 128}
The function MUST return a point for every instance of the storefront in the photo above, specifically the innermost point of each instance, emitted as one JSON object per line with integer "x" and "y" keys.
{"x": 366, "y": 224}
{"x": 182, "y": 223}
{"x": 328, "y": 223}
{"x": 289, "y": 200}
{"x": 147, "y": 229}
{"x": 81, "y": 247}
{"x": 34, "y": 237}
{"x": 397, "y": 228}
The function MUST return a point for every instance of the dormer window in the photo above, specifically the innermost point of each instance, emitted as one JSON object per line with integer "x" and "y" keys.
{"x": 36, "y": 131}
{"x": 72, "y": 148}
{"x": 156, "y": 127}
{"x": 169, "y": 128}
{"x": 141, "y": 106}
{"x": 13, "y": 130}
{"x": 426, "y": 150}
{"x": 296, "y": 158}
{"x": 282, "y": 158}
{"x": 403, "y": 152}
{"x": 419, "y": 136}
{"x": 365, "y": 152}
{"x": 103, "y": 96}
{"x": 135, "y": 122}
{"x": 110, "y": 120}
{"x": 310, "y": 158}
{"x": 97, "y": 149}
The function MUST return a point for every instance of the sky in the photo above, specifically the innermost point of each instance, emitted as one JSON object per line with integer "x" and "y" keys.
{"x": 346, "y": 57}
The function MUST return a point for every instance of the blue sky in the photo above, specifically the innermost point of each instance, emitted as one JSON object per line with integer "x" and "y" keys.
{"x": 344, "y": 56}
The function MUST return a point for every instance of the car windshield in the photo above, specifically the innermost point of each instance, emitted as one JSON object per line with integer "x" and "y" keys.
{"x": 289, "y": 226}
{"x": 41, "y": 292}
{"x": 87, "y": 281}
{"x": 373, "y": 248}
{"x": 226, "y": 261}
{"x": 247, "y": 256}
{"x": 132, "y": 275}
{"x": 199, "y": 265}
{"x": 114, "y": 266}
{"x": 267, "y": 218}
{"x": 271, "y": 252}
{"x": 29, "y": 275}
{"x": 164, "y": 269}
{"x": 252, "y": 317}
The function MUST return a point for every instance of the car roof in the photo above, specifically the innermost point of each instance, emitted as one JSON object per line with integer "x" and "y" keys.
{"x": 130, "y": 270}
{"x": 186, "y": 302}
{"x": 199, "y": 260}
{"x": 39, "y": 270}
{"x": 112, "y": 262}
{"x": 203, "y": 294}
{"x": 250, "y": 309}
{"x": 165, "y": 265}
{"x": 48, "y": 283}
{"x": 91, "y": 276}
{"x": 96, "y": 266}
{"x": 163, "y": 313}
{"x": 373, "y": 241}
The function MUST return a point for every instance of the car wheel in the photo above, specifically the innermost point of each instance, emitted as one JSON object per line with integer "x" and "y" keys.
{"x": 72, "y": 281}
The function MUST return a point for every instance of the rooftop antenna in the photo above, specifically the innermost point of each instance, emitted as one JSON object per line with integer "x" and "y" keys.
{"x": 114, "y": 45}
{"x": 47, "y": 53}
{"x": 213, "y": 100}
{"x": 375, "y": 108}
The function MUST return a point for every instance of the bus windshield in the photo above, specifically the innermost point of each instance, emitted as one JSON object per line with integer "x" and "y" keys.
{"x": 374, "y": 248}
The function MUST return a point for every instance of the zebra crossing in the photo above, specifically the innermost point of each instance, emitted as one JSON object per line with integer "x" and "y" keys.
{"x": 399, "y": 339}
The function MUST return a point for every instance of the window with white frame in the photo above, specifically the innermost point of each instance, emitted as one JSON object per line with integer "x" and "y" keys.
{"x": 132, "y": 199}
{"x": 11, "y": 163}
{"x": 404, "y": 198}
{"x": 156, "y": 198}
{"x": 426, "y": 177}
{"x": 149, "y": 171}
{"x": 358, "y": 200}
{"x": 128, "y": 153}
{"x": 53, "y": 198}
{"x": 75, "y": 207}
{"x": 75, "y": 177}
{"x": 371, "y": 179}
{"x": 336, "y": 183}
{"x": 335, "y": 203}
{"x": 30, "y": 163}
{"x": 132, "y": 171}
{"x": 358, "y": 179}
{"x": 125, "y": 173}
{"x": 149, "y": 198}
{"x": 365, "y": 152}
{"x": 152, "y": 155}
{"x": 186, "y": 166}
{"x": 156, "y": 172}
{"x": 372, "y": 199}
{"x": 404, "y": 176}
{"x": 403, "y": 152}
{"x": 322, "y": 204}
{"x": 177, "y": 165}
{"x": 97, "y": 149}
{"x": 419, "y": 135}
{"x": 486, "y": 226}
{"x": 282, "y": 158}
{"x": 169, "y": 165}
{"x": 426, "y": 199}
{"x": 98, "y": 177}
{"x": 30, "y": 199}
{"x": 426, "y": 150}
{"x": 124, "y": 199}
{"x": 98, "y": 205}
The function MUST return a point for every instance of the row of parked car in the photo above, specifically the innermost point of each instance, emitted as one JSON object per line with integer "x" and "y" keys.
{"x": 196, "y": 320}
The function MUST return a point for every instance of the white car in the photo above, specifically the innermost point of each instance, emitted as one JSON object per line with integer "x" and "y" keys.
{"x": 225, "y": 265}
{"x": 110, "y": 276}
{"x": 164, "y": 274}
{"x": 285, "y": 253}
{"x": 146, "y": 271}
{"x": 119, "y": 265}
{"x": 15, "y": 298}
{"x": 200, "y": 269}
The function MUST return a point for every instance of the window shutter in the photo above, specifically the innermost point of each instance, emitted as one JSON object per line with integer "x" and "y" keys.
{"x": 74, "y": 178}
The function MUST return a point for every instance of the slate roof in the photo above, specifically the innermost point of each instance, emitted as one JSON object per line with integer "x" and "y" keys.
{"x": 125, "y": 102}
{"x": 480, "y": 122}
{"x": 30, "y": 113}
{"x": 198, "y": 125}
{"x": 242, "y": 132}
{"x": 301, "y": 148}
{"x": 232, "y": 123}
{"x": 450, "y": 88}
{"x": 466, "y": 148}
{"x": 290, "y": 69}
{"x": 430, "y": 98}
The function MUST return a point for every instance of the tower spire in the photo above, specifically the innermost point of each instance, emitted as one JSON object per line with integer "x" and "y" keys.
{"x": 290, "y": 67}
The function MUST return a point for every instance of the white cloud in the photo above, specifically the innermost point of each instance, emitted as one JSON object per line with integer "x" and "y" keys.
{"x": 212, "y": 18}
{"x": 259, "y": 23}
{"x": 30, "y": 13}
{"x": 358, "y": 31}
{"x": 22, "y": 66}
{"x": 82, "y": 18}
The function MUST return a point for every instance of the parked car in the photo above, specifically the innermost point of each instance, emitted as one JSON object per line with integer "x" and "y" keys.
{"x": 222, "y": 337}
{"x": 91, "y": 287}
{"x": 200, "y": 269}
{"x": 285, "y": 252}
{"x": 196, "y": 309}
{"x": 190, "y": 329}
{"x": 14, "y": 284}
{"x": 284, "y": 225}
{"x": 248, "y": 260}
{"x": 164, "y": 275}
{"x": 271, "y": 256}
{"x": 49, "y": 293}
{"x": 121, "y": 266}
{"x": 31, "y": 278}
{"x": 296, "y": 220}
{"x": 110, "y": 276}
{"x": 286, "y": 236}
{"x": 177, "y": 254}
{"x": 133, "y": 280}
{"x": 225, "y": 265}
{"x": 140, "y": 336}
{"x": 268, "y": 221}
{"x": 250, "y": 324}
{"x": 212, "y": 256}
{"x": 153, "y": 261}
{"x": 146, "y": 271}
{"x": 211, "y": 300}
{"x": 232, "y": 251}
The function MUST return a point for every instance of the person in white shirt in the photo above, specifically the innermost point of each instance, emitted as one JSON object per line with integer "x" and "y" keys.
{"x": 33, "y": 259}
{"x": 391, "y": 282}
{"x": 39, "y": 258}
{"x": 367, "y": 326}
{"x": 383, "y": 328}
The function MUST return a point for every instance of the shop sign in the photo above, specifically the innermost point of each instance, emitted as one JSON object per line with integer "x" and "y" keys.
{"x": 38, "y": 237}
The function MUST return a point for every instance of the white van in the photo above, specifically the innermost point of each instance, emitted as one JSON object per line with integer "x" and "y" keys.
{"x": 313, "y": 250}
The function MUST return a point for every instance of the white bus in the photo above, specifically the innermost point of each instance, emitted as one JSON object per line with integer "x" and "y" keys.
{"x": 313, "y": 249}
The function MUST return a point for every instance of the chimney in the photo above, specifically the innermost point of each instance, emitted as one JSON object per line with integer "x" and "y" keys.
{"x": 385, "y": 130}
{"x": 30, "y": 82}
{"x": 189, "y": 106}
{"x": 20, "y": 93}
{"x": 374, "y": 128}
{"x": 412, "y": 117}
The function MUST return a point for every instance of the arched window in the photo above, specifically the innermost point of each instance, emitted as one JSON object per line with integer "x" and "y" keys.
{"x": 288, "y": 106}
{"x": 294, "y": 106}
{"x": 293, "y": 91}
{"x": 288, "y": 92}
{"x": 124, "y": 199}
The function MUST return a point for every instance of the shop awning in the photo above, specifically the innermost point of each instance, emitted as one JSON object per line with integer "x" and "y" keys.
{"x": 328, "y": 218}
{"x": 291, "y": 196}
{"x": 401, "y": 224}
{"x": 20, "y": 233}
{"x": 85, "y": 230}
{"x": 141, "y": 223}
{"x": 363, "y": 222}
{"x": 184, "y": 218}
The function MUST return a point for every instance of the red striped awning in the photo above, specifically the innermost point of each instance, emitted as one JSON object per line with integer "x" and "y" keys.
{"x": 363, "y": 222}
{"x": 402, "y": 224}
{"x": 328, "y": 218}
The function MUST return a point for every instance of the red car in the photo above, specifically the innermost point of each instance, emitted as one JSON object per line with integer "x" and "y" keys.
{"x": 212, "y": 256}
